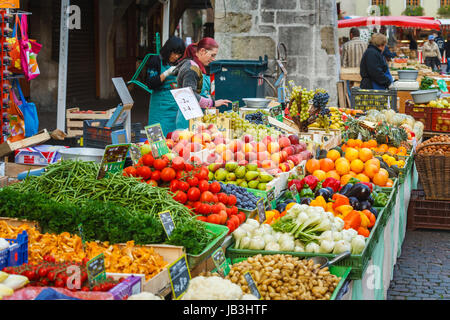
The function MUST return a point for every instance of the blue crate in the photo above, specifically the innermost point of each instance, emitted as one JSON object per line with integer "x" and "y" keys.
{"x": 17, "y": 253}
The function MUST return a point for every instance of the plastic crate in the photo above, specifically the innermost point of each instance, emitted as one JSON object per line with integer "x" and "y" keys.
{"x": 422, "y": 114}
{"x": 238, "y": 79}
{"x": 364, "y": 99}
{"x": 17, "y": 253}
{"x": 219, "y": 232}
{"x": 100, "y": 136}
{"x": 440, "y": 121}
{"x": 427, "y": 214}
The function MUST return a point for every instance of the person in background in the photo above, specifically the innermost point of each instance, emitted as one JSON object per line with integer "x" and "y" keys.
{"x": 447, "y": 53}
{"x": 163, "y": 108}
{"x": 374, "y": 69}
{"x": 353, "y": 50}
{"x": 431, "y": 53}
{"x": 440, "y": 42}
{"x": 191, "y": 71}
{"x": 412, "y": 45}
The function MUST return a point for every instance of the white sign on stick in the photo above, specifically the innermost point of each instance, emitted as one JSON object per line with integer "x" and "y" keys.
{"x": 187, "y": 102}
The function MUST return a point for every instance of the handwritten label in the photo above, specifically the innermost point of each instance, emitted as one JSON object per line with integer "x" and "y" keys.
{"x": 220, "y": 262}
{"x": 113, "y": 160}
{"x": 157, "y": 141}
{"x": 179, "y": 277}
{"x": 187, "y": 102}
{"x": 95, "y": 269}
{"x": 271, "y": 197}
{"x": 261, "y": 210}
{"x": 252, "y": 285}
{"x": 135, "y": 153}
{"x": 294, "y": 192}
{"x": 167, "y": 222}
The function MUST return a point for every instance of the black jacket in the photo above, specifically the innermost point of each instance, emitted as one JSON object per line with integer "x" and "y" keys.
{"x": 154, "y": 72}
{"x": 373, "y": 68}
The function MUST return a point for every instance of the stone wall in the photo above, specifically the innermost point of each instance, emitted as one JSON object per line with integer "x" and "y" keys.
{"x": 253, "y": 28}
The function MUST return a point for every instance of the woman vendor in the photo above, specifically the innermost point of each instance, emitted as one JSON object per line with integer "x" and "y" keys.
{"x": 163, "y": 108}
{"x": 191, "y": 73}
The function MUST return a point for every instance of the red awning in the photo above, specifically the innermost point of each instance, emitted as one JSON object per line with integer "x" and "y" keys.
{"x": 400, "y": 21}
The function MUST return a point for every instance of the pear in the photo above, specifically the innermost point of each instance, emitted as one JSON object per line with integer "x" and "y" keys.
{"x": 239, "y": 181}
{"x": 265, "y": 177}
{"x": 231, "y": 166}
{"x": 231, "y": 176}
{"x": 251, "y": 175}
{"x": 252, "y": 167}
{"x": 243, "y": 184}
{"x": 262, "y": 186}
{"x": 210, "y": 176}
{"x": 253, "y": 184}
{"x": 240, "y": 172}
{"x": 221, "y": 174}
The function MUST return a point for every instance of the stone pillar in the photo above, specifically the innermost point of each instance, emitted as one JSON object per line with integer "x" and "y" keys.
{"x": 253, "y": 28}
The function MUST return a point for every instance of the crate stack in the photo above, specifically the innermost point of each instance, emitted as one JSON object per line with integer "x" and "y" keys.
{"x": 75, "y": 119}
{"x": 364, "y": 99}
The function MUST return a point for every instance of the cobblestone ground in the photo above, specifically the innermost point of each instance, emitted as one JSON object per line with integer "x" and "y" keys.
{"x": 423, "y": 270}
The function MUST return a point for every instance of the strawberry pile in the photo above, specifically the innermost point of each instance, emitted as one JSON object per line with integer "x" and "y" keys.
{"x": 189, "y": 186}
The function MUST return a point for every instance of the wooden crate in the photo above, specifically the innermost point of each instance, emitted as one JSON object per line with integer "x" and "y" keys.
{"x": 17, "y": 223}
{"x": 8, "y": 147}
{"x": 12, "y": 170}
{"x": 75, "y": 119}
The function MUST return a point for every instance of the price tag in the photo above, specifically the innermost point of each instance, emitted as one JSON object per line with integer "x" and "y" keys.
{"x": 294, "y": 192}
{"x": 220, "y": 262}
{"x": 167, "y": 222}
{"x": 271, "y": 197}
{"x": 95, "y": 269}
{"x": 81, "y": 232}
{"x": 135, "y": 153}
{"x": 187, "y": 102}
{"x": 157, "y": 141}
{"x": 113, "y": 160}
{"x": 235, "y": 106}
{"x": 252, "y": 285}
{"x": 179, "y": 277}
{"x": 261, "y": 210}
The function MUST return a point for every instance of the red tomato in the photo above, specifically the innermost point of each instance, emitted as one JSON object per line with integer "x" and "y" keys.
{"x": 214, "y": 187}
{"x": 180, "y": 197}
{"x": 201, "y": 218}
{"x": 144, "y": 172}
{"x": 148, "y": 160}
{"x": 156, "y": 175}
{"x": 228, "y": 211}
{"x": 197, "y": 206}
{"x": 168, "y": 174}
{"x": 181, "y": 174}
{"x": 222, "y": 206}
{"x": 231, "y": 200}
{"x": 213, "y": 218}
{"x": 203, "y": 185}
{"x": 223, "y": 217}
{"x": 193, "y": 182}
{"x": 215, "y": 209}
{"x": 206, "y": 196}
{"x": 215, "y": 198}
{"x": 174, "y": 185}
{"x": 193, "y": 194}
{"x": 234, "y": 210}
{"x": 183, "y": 186}
{"x": 131, "y": 171}
{"x": 223, "y": 198}
{"x": 241, "y": 217}
{"x": 153, "y": 183}
{"x": 236, "y": 220}
{"x": 178, "y": 163}
{"x": 231, "y": 225}
{"x": 188, "y": 167}
{"x": 160, "y": 164}
{"x": 205, "y": 209}
{"x": 203, "y": 174}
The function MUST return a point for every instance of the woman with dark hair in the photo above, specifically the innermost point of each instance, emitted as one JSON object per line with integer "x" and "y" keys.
{"x": 163, "y": 108}
{"x": 191, "y": 73}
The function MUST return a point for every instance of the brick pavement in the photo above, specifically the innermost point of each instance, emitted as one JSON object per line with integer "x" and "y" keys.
{"x": 422, "y": 271}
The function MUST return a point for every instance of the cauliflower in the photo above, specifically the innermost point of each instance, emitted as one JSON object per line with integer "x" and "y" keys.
{"x": 213, "y": 288}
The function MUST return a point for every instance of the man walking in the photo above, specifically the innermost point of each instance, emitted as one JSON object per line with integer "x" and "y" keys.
{"x": 353, "y": 50}
{"x": 431, "y": 54}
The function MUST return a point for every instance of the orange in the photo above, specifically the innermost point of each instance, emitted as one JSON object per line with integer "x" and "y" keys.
{"x": 333, "y": 174}
{"x": 392, "y": 150}
{"x": 352, "y": 174}
{"x": 373, "y": 161}
{"x": 389, "y": 183}
{"x": 312, "y": 165}
{"x": 345, "y": 178}
{"x": 351, "y": 154}
{"x": 290, "y": 205}
{"x": 371, "y": 170}
{"x": 351, "y": 143}
{"x": 365, "y": 154}
{"x": 381, "y": 178}
{"x": 362, "y": 177}
{"x": 341, "y": 160}
{"x": 320, "y": 174}
{"x": 333, "y": 155}
{"x": 358, "y": 143}
{"x": 344, "y": 147}
{"x": 357, "y": 166}
{"x": 383, "y": 148}
{"x": 365, "y": 145}
{"x": 372, "y": 143}
{"x": 326, "y": 164}
{"x": 401, "y": 151}
{"x": 342, "y": 167}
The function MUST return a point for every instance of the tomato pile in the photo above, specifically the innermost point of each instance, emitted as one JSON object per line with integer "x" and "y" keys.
{"x": 52, "y": 274}
{"x": 189, "y": 185}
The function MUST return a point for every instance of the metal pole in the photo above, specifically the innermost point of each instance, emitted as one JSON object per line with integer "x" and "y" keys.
{"x": 62, "y": 76}
{"x": 166, "y": 20}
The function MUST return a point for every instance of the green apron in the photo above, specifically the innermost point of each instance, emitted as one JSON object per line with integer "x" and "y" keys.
{"x": 182, "y": 123}
{"x": 163, "y": 108}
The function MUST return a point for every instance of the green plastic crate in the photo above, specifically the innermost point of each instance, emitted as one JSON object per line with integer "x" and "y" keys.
{"x": 220, "y": 232}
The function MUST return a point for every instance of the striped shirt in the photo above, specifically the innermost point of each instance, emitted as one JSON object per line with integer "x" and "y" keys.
{"x": 352, "y": 53}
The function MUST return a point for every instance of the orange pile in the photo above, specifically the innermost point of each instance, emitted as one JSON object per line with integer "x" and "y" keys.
{"x": 359, "y": 164}
{"x": 373, "y": 145}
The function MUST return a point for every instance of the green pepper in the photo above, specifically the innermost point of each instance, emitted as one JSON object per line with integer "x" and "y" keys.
{"x": 380, "y": 199}
{"x": 306, "y": 192}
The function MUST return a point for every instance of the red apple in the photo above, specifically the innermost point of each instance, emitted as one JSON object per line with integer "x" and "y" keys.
{"x": 251, "y": 156}
{"x": 289, "y": 150}
{"x": 294, "y": 159}
{"x": 235, "y": 146}
{"x": 273, "y": 147}
{"x": 283, "y": 156}
{"x": 263, "y": 156}
{"x": 247, "y": 138}
{"x": 261, "y": 147}
{"x": 267, "y": 140}
{"x": 239, "y": 156}
{"x": 212, "y": 158}
{"x": 294, "y": 139}
{"x": 284, "y": 142}
{"x": 243, "y": 163}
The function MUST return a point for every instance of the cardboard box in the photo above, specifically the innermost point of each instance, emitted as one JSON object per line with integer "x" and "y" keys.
{"x": 39, "y": 156}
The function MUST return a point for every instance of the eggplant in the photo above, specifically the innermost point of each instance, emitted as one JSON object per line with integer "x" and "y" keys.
{"x": 345, "y": 189}
{"x": 281, "y": 206}
{"x": 360, "y": 191}
{"x": 371, "y": 200}
{"x": 287, "y": 201}
{"x": 374, "y": 211}
{"x": 325, "y": 193}
{"x": 306, "y": 201}
{"x": 354, "y": 202}
{"x": 330, "y": 189}
{"x": 365, "y": 205}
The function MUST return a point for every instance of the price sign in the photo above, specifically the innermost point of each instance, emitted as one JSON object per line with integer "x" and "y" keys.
{"x": 156, "y": 139}
{"x": 167, "y": 222}
{"x": 252, "y": 285}
{"x": 271, "y": 196}
{"x": 187, "y": 102}
{"x": 220, "y": 261}
{"x": 261, "y": 210}
{"x": 179, "y": 277}
{"x": 235, "y": 106}
{"x": 294, "y": 192}
{"x": 113, "y": 160}
{"x": 95, "y": 269}
{"x": 135, "y": 153}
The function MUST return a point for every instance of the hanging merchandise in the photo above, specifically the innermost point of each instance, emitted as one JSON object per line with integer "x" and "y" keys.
{"x": 16, "y": 120}
{"x": 29, "y": 113}
{"x": 13, "y": 42}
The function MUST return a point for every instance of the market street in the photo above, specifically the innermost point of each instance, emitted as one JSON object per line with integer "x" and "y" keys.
{"x": 427, "y": 277}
